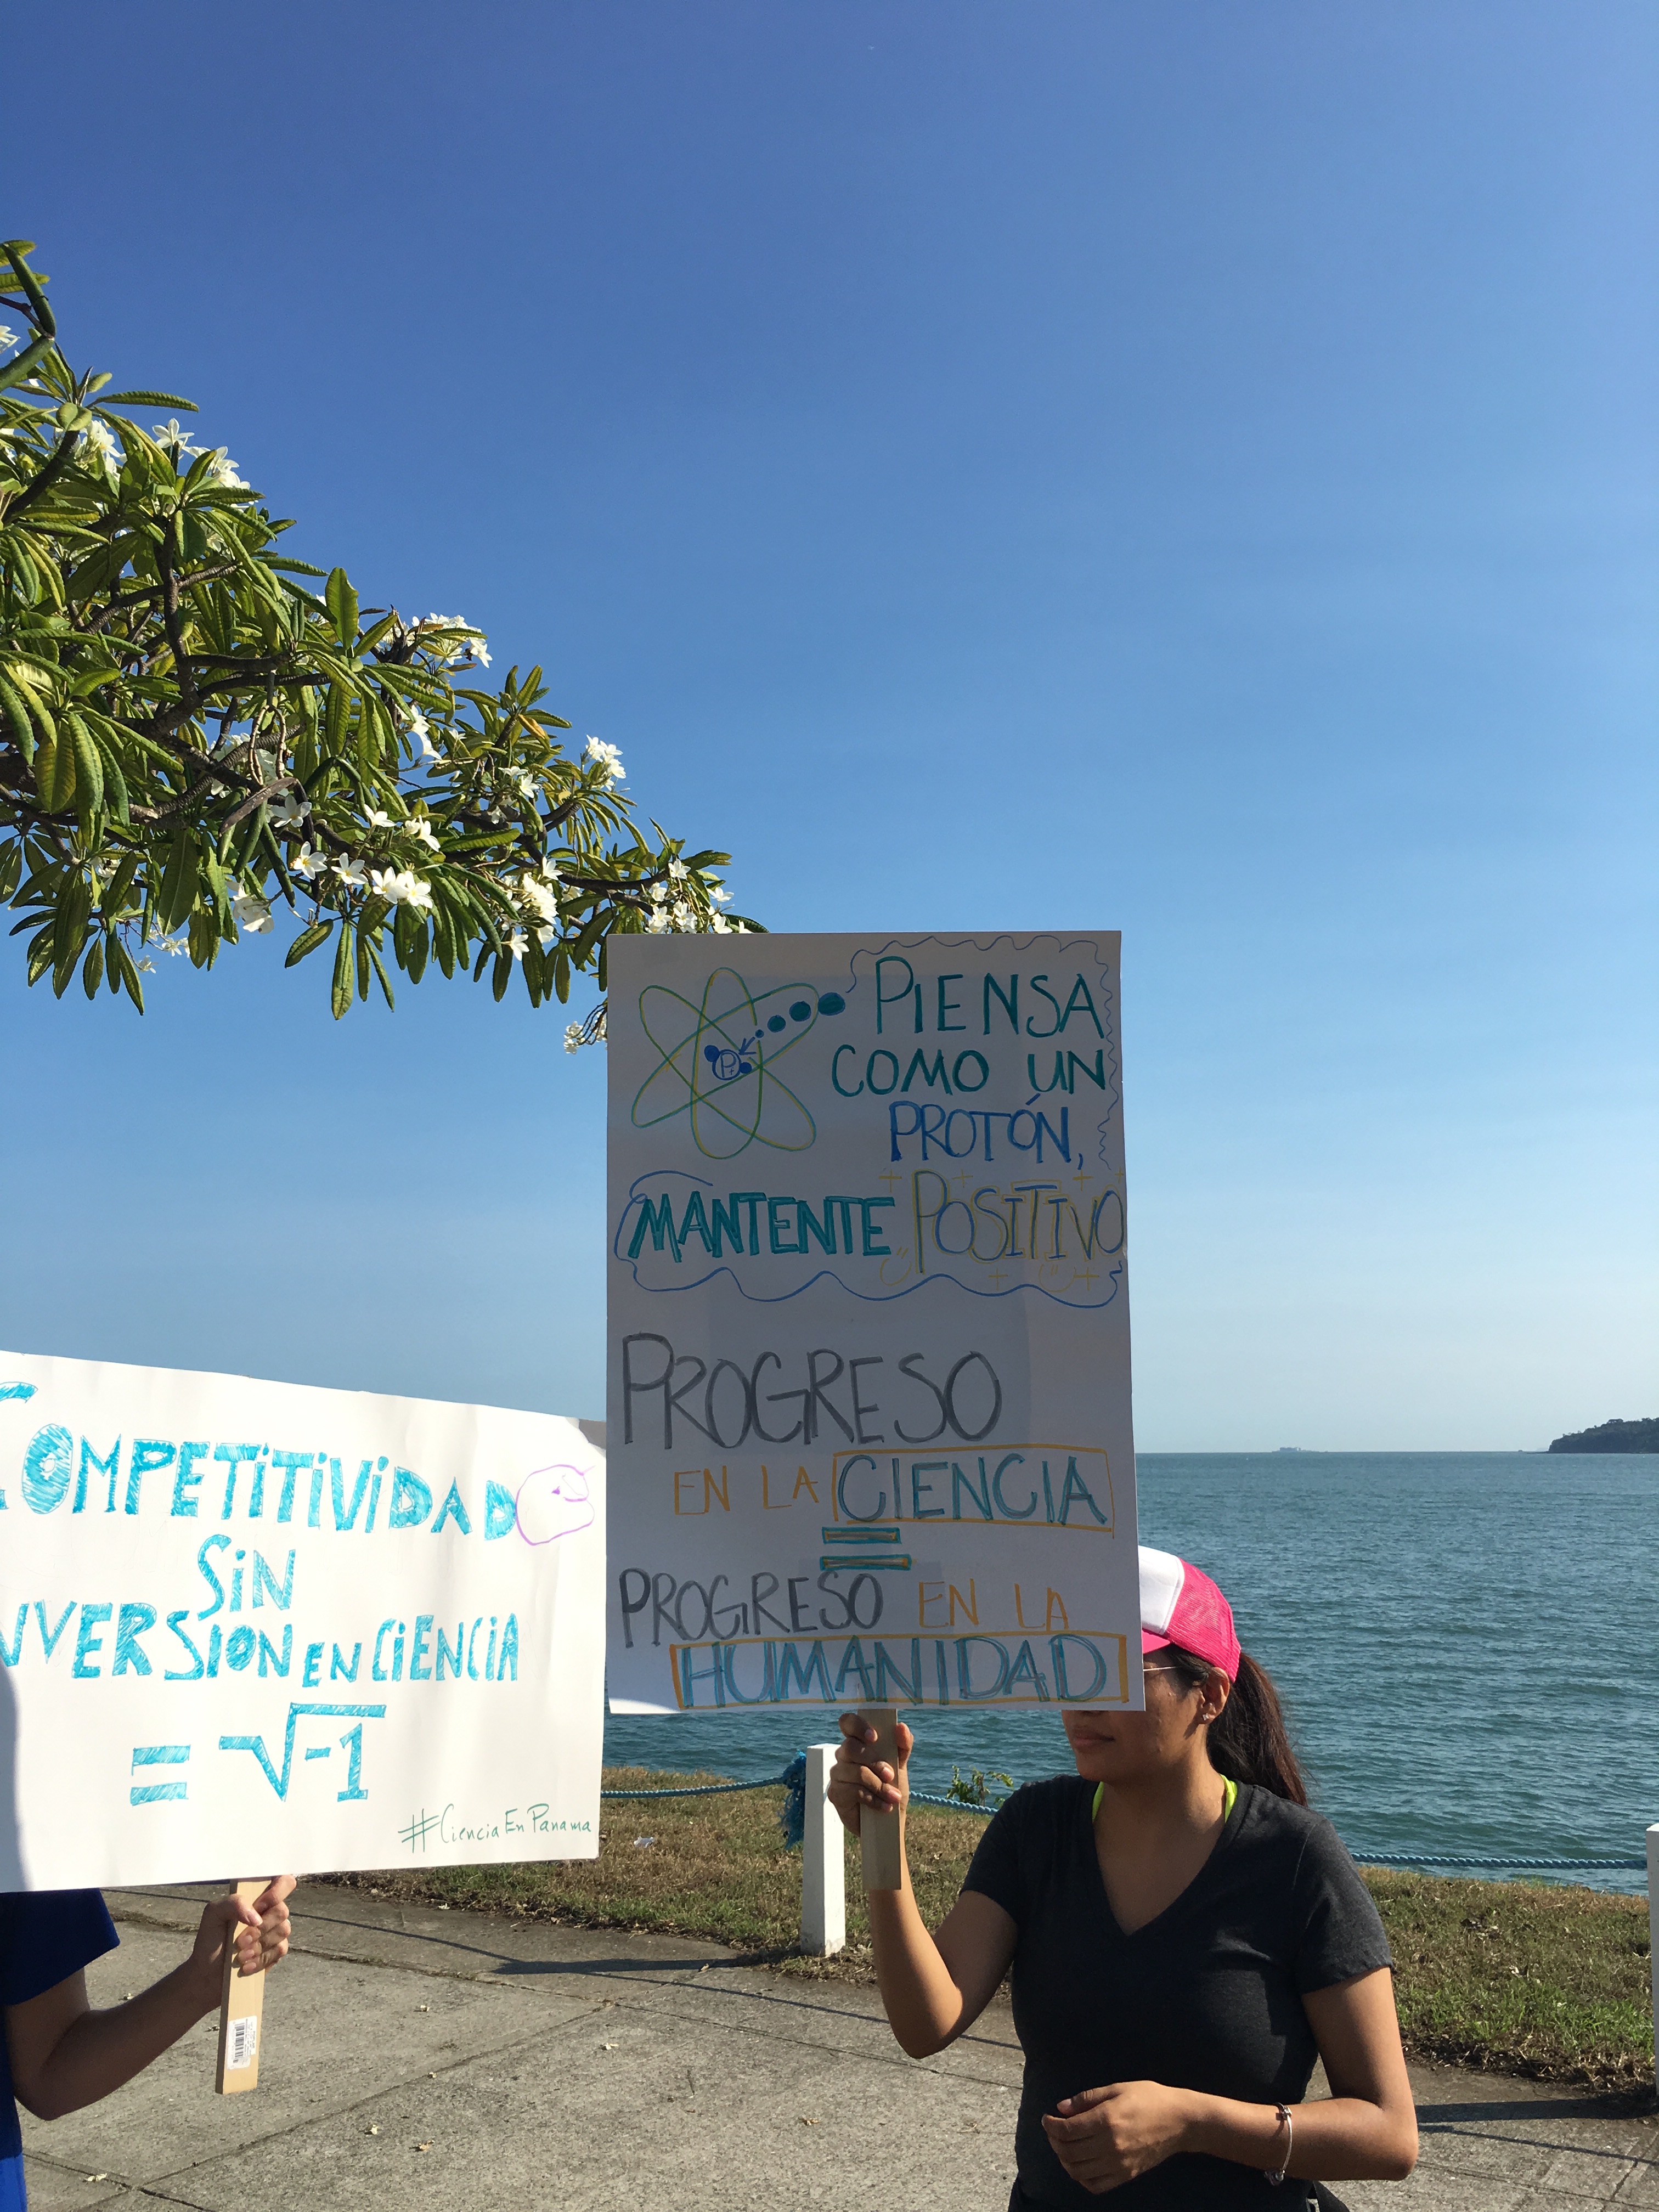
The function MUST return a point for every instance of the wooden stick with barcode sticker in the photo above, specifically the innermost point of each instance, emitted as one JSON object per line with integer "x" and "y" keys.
{"x": 880, "y": 1838}
{"x": 242, "y": 2009}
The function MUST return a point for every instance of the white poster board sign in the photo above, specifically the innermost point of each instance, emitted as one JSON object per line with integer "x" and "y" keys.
{"x": 249, "y": 1627}
{"x": 869, "y": 1420}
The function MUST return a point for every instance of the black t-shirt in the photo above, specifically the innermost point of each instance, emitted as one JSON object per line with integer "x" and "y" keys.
{"x": 45, "y": 1935}
{"x": 1206, "y": 1997}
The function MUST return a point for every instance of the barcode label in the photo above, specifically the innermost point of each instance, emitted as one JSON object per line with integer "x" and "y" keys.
{"x": 244, "y": 2042}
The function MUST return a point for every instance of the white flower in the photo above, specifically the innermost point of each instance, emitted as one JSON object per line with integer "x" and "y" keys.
{"x": 718, "y": 923}
{"x": 378, "y": 820}
{"x": 518, "y": 944}
{"x": 350, "y": 871}
{"x": 684, "y": 916}
{"x": 546, "y": 937}
{"x": 679, "y": 870}
{"x": 288, "y": 811}
{"x": 419, "y": 826}
{"x": 221, "y": 471}
{"x": 719, "y": 895}
{"x": 402, "y": 887}
{"x": 659, "y": 893}
{"x": 657, "y": 922}
{"x": 541, "y": 898}
{"x": 307, "y": 861}
{"x": 169, "y": 433}
{"x": 252, "y": 912}
{"x": 175, "y": 946}
{"x": 421, "y": 728}
{"x": 525, "y": 781}
{"x": 608, "y": 758}
{"x": 479, "y": 651}
{"x": 146, "y": 967}
{"x": 100, "y": 446}
{"x": 8, "y": 339}
{"x": 550, "y": 871}
{"x": 572, "y": 1036}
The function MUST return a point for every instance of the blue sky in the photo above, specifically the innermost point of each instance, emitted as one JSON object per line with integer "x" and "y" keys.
{"x": 1190, "y": 470}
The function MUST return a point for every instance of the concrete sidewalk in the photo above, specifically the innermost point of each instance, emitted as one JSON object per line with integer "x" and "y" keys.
{"x": 423, "y": 2057}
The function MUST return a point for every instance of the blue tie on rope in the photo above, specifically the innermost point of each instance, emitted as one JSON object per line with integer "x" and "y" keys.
{"x": 792, "y": 1818}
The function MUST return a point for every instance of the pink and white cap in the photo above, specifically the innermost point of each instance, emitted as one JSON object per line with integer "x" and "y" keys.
{"x": 1180, "y": 1605}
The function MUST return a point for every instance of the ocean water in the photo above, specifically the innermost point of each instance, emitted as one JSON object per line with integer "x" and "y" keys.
{"x": 1467, "y": 1642}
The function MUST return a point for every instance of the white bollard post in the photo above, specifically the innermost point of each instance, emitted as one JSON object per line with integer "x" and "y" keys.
{"x": 824, "y": 1865}
{"x": 1653, "y": 1931}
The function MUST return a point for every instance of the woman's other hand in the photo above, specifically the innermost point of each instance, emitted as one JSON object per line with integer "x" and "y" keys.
{"x": 257, "y": 1929}
{"x": 1104, "y": 2137}
{"x": 858, "y": 1778}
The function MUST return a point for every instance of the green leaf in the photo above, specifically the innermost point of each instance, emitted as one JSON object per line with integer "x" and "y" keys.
{"x": 92, "y": 967}
{"x": 177, "y": 893}
{"x": 342, "y": 606}
{"x": 115, "y": 785}
{"x": 203, "y": 938}
{"x": 307, "y": 941}
{"x": 334, "y": 720}
{"x": 69, "y": 932}
{"x": 147, "y": 399}
{"x": 119, "y": 884}
{"x": 340, "y": 997}
{"x": 24, "y": 364}
{"x": 63, "y": 772}
{"x": 90, "y": 767}
{"x": 129, "y": 982}
{"x": 380, "y": 971}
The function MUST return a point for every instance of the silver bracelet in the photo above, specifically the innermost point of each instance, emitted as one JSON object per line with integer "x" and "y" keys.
{"x": 1282, "y": 2112}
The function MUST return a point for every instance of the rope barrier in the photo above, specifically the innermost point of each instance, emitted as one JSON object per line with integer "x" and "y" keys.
{"x": 1430, "y": 1859}
{"x": 702, "y": 1788}
{"x": 793, "y": 1815}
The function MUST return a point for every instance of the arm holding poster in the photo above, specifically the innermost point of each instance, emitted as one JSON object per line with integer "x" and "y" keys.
{"x": 64, "y": 2055}
{"x": 934, "y": 1987}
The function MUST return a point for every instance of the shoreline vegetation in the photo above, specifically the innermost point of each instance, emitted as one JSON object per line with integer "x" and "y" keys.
{"x": 1612, "y": 1436}
{"x": 1545, "y": 1981}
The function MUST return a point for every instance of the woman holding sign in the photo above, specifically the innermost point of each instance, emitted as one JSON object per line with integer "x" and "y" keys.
{"x": 57, "y": 2053}
{"x": 1186, "y": 1939}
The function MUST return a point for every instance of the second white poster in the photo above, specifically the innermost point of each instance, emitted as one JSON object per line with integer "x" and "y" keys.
{"x": 870, "y": 1437}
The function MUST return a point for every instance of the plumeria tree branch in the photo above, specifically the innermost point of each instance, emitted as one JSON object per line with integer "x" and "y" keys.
{"x": 194, "y": 735}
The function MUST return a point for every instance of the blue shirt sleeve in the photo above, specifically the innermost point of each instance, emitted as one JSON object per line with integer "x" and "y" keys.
{"x": 46, "y": 1936}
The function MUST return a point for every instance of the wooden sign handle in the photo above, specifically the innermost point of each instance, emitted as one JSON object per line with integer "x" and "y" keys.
{"x": 880, "y": 1835}
{"x": 241, "y": 2012}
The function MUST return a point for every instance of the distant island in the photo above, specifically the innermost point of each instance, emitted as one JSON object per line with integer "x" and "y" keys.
{"x": 1613, "y": 1436}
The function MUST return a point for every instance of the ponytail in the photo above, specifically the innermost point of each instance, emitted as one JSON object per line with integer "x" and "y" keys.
{"x": 1249, "y": 1742}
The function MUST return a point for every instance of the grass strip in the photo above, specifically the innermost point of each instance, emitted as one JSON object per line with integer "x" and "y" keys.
{"x": 1542, "y": 1980}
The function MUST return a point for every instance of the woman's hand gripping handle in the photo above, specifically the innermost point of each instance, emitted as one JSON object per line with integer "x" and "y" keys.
{"x": 869, "y": 1788}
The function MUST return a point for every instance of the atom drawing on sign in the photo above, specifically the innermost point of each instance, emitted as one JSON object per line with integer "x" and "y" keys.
{"x": 717, "y": 1062}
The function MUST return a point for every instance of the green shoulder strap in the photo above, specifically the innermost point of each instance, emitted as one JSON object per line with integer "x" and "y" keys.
{"x": 1228, "y": 1798}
